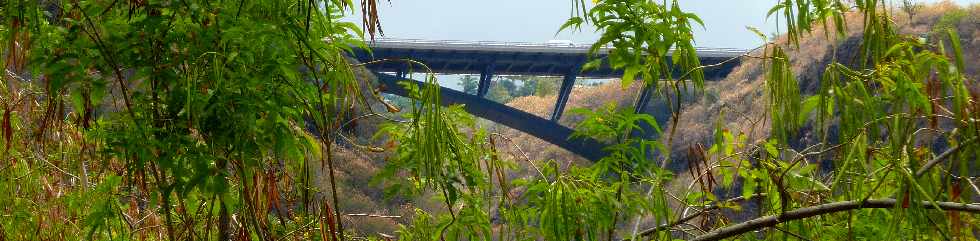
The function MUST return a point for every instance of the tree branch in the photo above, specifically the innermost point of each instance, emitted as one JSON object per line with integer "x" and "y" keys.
{"x": 684, "y": 219}
{"x": 772, "y": 220}
{"x": 942, "y": 157}
{"x": 373, "y": 215}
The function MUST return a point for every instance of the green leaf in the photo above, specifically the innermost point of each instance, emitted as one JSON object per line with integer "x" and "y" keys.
{"x": 809, "y": 105}
{"x": 771, "y": 149}
{"x": 954, "y": 38}
{"x": 628, "y": 76}
{"x": 748, "y": 186}
{"x": 758, "y": 33}
{"x": 775, "y": 9}
{"x": 573, "y": 22}
{"x": 592, "y": 64}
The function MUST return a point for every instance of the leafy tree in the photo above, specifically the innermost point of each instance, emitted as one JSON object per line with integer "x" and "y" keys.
{"x": 470, "y": 84}
{"x": 535, "y": 85}
{"x": 546, "y": 86}
{"x": 500, "y": 94}
{"x": 508, "y": 85}
{"x": 191, "y": 113}
{"x": 528, "y": 87}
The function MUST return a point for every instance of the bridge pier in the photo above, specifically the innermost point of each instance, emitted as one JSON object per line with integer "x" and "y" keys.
{"x": 402, "y": 71}
{"x": 644, "y": 98}
{"x": 486, "y": 76}
{"x": 645, "y": 130}
{"x": 566, "y": 89}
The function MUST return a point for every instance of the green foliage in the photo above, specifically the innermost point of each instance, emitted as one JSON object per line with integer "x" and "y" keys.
{"x": 649, "y": 40}
{"x": 208, "y": 100}
{"x": 785, "y": 102}
{"x": 536, "y": 86}
{"x": 878, "y": 109}
{"x": 193, "y": 120}
{"x": 629, "y": 167}
{"x": 802, "y": 15}
{"x": 438, "y": 157}
{"x": 528, "y": 87}
{"x": 423, "y": 227}
{"x": 508, "y": 85}
{"x": 575, "y": 206}
{"x": 546, "y": 86}
{"x": 470, "y": 84}
{"x": 500, "y": 93}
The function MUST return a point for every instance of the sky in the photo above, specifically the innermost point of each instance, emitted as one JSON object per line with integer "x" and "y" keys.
{"x": 538, "y": 20}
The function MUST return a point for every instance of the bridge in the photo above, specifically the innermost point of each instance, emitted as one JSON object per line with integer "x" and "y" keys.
{"x": 491, "y": 59}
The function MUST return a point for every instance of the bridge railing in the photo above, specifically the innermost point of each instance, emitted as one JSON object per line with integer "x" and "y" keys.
{"x": 407, "y": 42}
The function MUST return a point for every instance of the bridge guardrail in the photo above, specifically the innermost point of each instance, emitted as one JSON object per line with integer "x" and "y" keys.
{"x": 388, "y": 42}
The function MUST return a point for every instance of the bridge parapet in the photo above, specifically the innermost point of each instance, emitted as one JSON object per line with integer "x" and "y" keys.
{"x": 508, "y": 58}
{"x": 571, "y": 48}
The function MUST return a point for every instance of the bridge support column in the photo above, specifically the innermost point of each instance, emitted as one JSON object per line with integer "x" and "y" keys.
{"x": 402, "y": 71}
{"x": 566, "y": 89}
{"x": 646, "y": 130}
{"x": 486, "y": 76}
{"x": 644, "y": 99}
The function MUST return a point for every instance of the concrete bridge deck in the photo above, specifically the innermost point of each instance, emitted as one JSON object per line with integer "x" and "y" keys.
{"x": 505, "y": 58}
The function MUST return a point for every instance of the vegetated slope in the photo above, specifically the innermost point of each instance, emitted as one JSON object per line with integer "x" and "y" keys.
{"x": 741, "y": 96}
{"x": 738, "y": 102}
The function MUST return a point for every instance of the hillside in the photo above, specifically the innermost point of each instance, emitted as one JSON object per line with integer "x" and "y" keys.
{"x": 741, "y": 95}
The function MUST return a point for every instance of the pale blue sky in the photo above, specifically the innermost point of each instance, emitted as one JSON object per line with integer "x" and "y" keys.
{"x": 538, "y": 20}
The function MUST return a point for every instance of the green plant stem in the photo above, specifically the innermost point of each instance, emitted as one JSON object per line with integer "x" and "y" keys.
{"x": 333, "y": 190}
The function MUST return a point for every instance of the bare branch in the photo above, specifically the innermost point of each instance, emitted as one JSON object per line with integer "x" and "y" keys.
{"x": 684, "y": 219}
{"x": 772, "y": 220}
{"x": 372, "y": 215}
